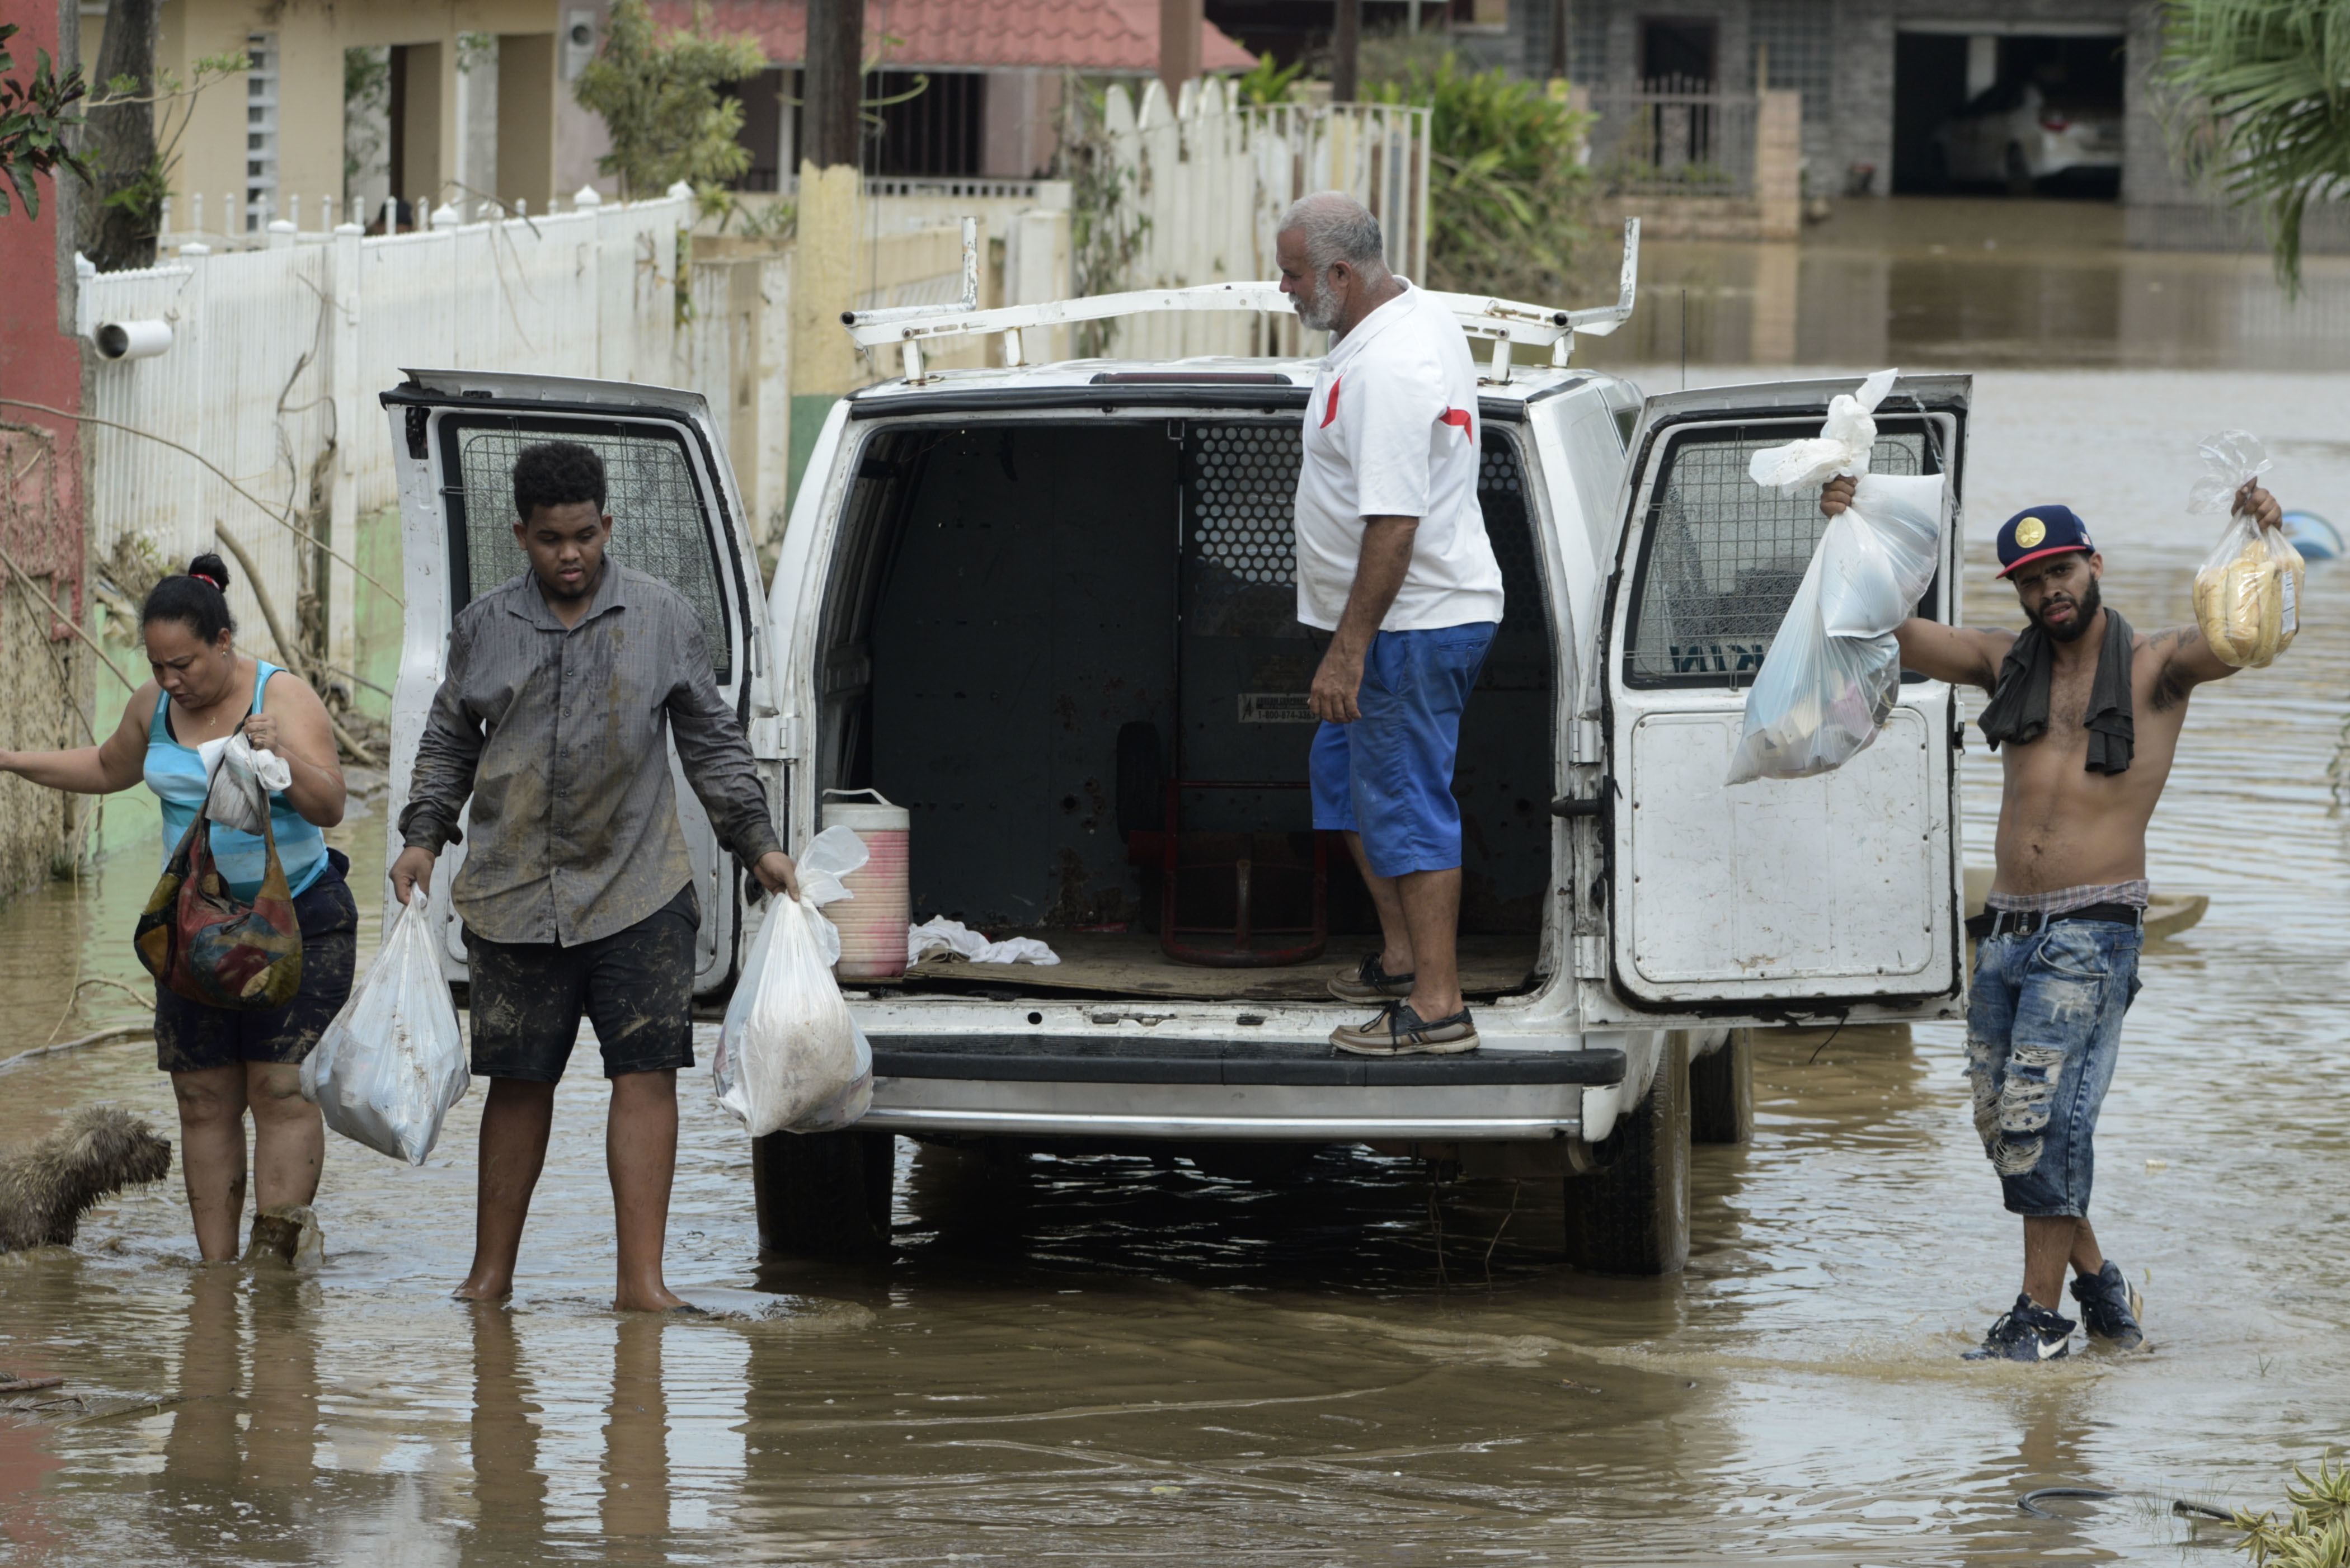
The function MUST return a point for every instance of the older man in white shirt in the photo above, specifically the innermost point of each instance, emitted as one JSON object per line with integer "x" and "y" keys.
{"x": 1393, "y": 562}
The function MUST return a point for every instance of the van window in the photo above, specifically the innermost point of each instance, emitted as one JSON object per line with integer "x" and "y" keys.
{"x": 660, "y": 523}
{"x": 1722, "y": 555}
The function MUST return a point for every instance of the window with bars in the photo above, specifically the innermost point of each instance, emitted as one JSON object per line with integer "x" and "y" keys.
{"x": 260, "y": 130}
{"x": 1722, "y": 556}
{"x": 1796, "y": 43}
{"x": 1587, "y": 40}
{"x": 660, "y": 526}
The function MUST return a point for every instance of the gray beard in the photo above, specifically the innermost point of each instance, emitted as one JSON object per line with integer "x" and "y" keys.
{"x": 1317, "y": 314}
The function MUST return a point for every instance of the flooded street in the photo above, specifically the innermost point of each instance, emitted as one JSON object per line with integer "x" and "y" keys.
{"x": 1102, "y": 1360}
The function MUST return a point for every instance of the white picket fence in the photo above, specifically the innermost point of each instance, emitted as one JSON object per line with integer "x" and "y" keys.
{"x": 267, "y": 393}
{"x": 1203, "y": 182}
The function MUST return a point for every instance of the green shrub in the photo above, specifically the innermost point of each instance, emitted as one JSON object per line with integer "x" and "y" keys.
{"x": 1509, "y": 197}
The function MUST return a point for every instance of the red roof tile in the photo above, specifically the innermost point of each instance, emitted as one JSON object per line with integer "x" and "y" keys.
{"x": 1105, "y": 36}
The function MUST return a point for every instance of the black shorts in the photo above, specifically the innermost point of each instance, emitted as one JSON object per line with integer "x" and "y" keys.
{"x": 636, "y": 986}
{"x": 190, "y": 1037}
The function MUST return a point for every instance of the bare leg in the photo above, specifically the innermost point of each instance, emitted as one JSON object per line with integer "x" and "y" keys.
{"x": 516, "y": 1120}
{"x": 2048, "y": 1243}
{"x": 1395, "y": 931}
{"x": 211, "y": 1155}
{"x": 640, "y": 1151}
{"x": 289, "y": 1140}
{"x": 1432, "y": 908}
{"x": 2088, "y": 1259}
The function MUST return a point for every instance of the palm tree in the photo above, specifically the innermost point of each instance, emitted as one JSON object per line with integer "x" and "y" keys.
{"x": 2265, "y": 87}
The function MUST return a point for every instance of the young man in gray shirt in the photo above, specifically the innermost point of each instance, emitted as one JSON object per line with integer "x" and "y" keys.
{"x": 563, "y": 689}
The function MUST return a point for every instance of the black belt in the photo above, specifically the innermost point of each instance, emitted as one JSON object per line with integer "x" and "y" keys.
{"x": 2003, "y": 922}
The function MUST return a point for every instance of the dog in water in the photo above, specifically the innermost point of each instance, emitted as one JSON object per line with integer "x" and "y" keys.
{"x": 46, "y": 1187}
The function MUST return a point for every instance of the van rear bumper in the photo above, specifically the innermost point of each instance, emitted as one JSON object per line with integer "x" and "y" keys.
{"x": 1043, "y": 1085}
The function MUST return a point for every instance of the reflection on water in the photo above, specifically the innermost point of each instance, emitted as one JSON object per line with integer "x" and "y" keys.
{"x": 1962, "y": 283}
{"x": 1109, "y": 1359}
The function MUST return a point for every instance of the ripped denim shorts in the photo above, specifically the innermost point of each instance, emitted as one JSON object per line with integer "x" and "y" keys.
{"x": 2043, "y": 1028}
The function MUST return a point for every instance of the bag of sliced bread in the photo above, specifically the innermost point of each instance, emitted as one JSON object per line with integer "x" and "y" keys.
{"x": 2248, "y": 590}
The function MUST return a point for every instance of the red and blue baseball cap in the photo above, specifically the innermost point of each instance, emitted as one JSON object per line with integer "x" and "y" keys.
{"x": 2040, "y": 531}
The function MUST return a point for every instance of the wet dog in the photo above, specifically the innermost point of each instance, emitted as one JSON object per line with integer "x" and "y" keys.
{"x": 46, "y": 1187}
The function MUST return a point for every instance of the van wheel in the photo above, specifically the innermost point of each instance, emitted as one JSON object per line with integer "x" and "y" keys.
{"x": 1632, "y": 1216}
{"x": 824, "y": 1195}
{"x": 1722, "y": 1092}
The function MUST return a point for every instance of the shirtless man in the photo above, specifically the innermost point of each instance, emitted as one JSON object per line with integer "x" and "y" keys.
{"x": 2086, "y": 753}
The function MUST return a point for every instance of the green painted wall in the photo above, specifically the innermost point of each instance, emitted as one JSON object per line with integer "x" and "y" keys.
{"x": 375, "y": 620}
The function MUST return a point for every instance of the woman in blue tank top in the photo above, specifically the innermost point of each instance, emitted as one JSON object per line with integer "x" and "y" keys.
{"x": 225, "y": 1062}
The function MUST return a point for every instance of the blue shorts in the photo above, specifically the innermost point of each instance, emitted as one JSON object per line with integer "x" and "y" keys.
{"x": 1389, "y": 774}
{"x": 2043, "y": 1029}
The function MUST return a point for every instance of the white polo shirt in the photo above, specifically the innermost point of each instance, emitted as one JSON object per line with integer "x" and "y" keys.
{"x": 1391, "y": 431}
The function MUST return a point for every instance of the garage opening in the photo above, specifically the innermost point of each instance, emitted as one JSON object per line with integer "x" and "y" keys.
{"x": 2018, "y": 114}
{"x": 1070, "y": 649}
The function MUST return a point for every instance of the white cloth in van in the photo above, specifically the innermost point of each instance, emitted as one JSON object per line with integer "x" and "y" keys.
{"x": 1391, "y": 431}
{"x": 952, "y": 937}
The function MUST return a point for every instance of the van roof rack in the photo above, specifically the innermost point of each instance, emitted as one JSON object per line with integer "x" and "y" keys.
{"x": 1503, "y": 322}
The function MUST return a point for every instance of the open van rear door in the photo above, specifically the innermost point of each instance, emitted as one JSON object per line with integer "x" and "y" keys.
{"x": 1828, "y": 897}
{"x": 676, "y": 515}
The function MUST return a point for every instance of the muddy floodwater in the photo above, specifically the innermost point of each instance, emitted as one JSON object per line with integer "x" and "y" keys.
{"x": 1108, "y": 1361}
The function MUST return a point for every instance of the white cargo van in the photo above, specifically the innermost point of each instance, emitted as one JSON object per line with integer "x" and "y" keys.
{"x": 1049, "y": 611}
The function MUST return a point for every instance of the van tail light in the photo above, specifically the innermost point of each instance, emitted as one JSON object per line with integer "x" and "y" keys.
{"x": 2055, "y": 119}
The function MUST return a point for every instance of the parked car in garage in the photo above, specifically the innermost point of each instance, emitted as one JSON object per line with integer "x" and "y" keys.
{"x": 2017, "y": 135}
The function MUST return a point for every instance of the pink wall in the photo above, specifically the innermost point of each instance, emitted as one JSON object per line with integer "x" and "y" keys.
{"x": 41, "y": 361}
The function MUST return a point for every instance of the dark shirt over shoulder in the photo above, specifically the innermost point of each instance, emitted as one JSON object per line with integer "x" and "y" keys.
{"x": 560, "y": 737}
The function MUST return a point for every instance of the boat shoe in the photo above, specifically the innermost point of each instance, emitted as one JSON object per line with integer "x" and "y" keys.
{"x": 1368, "y": 983}
{"x": 2028, "y": 1332}
{"x": 2110, "y": 1305}
{"x": 1398, "y": 1030}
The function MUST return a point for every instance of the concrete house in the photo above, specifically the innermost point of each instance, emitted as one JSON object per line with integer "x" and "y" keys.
{"x": 359, "y": 101}
{"x": 994, "y": 70}
{"x": 1881, "y": 79}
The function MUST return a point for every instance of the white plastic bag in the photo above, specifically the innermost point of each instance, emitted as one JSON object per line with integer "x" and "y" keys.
{"x": 239, "y": 779}
{"x": 2231, "y": 460}
{"x": 790, "y": 1057}
{"x": 392, "y": 1062}
{"x": 1835, "y": 669}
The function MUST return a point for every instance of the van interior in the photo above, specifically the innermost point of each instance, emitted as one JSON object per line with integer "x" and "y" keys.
{"x": 1068, "y": 646}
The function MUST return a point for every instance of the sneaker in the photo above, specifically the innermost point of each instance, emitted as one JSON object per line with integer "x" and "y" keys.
{"x": 2027, "y": 1332}
{"x": 2110, "y": 1305}
{"x": 1398, "y": 1030}
{"x": 1368, "y": 983}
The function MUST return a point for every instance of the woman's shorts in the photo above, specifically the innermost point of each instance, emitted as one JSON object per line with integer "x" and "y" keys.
{"x": 190, "y": 1037}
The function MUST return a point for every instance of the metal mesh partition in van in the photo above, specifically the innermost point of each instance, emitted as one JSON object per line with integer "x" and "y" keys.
{"x": 1723, "y": 557}
{"x": 1246, "y": 477}
{"x": 659, "y": 523}
{"x": 1247, "y": 663}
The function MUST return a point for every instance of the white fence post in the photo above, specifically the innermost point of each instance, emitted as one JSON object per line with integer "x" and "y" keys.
{"x": 352, "y": 407}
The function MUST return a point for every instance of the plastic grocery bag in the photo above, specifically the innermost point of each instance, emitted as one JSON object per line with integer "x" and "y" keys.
{"x": 1835, "y": 669}
{"x": 790, "y": 1057}
{"x": 392, "y": 1062}
{"x": 239, "y": 779}
{"x": 2248, "y": 590}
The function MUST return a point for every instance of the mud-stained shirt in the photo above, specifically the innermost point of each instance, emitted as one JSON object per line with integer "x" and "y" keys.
{"x": 561, "y": 737}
